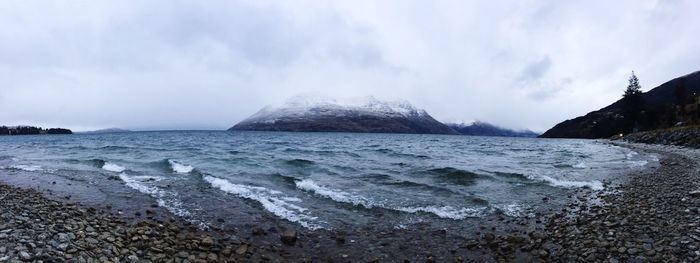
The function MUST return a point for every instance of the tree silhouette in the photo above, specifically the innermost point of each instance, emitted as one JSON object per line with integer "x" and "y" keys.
{"x": 632, "y": 104}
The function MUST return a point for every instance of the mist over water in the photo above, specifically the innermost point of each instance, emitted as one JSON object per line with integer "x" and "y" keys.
{"x": 326, "y": 180}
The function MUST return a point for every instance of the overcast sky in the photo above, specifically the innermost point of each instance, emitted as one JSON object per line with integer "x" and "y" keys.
{"x": 209, "y": 64}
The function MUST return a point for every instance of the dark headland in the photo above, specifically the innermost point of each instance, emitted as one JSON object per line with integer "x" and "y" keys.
{"x": 674, "y": 103}
{"x": 31, "y": 130}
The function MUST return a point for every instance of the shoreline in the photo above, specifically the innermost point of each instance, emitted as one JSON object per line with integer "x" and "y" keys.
{"x": 543, "y": 237}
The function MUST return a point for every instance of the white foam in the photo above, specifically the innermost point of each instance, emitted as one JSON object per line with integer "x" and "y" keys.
{"x": 180, "y": 168}
{"x": 273, "y": 201}
{"x": 344, "y": 197}
{"x": 512, "y": 210}
{"x": 26, "y": 167}
{"x": 138, "y": 186}
{"x": 335, "y": 195}
{"x": 593, "y": 185}
{"x": 631, "y": 154}
{"x": 637, "y": 163}
{"x": 580, "y": 165}
{"x": 446, "y": 211}
{"x": 113, "y": 167}
{"x": 172, "y": 204}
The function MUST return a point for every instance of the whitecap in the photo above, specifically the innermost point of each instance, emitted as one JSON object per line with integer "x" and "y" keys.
{"x": 164, "y": 199}
{"x": 446, "y": 211}
{"x": 631, "y": 154}
{"x": 639, "y": 163}
{"x": 26, "y": 167}
{"x": 335, "y": 195}
{"x": 113, "y": 167}
{"x": 273, "y": 201}
{"x": 593, "y": 185}
{"x": 180, "y": 168}
{"x": 344, "y": 197}
{"x": 512, "y": 210}
{"x": 580, "y": 165}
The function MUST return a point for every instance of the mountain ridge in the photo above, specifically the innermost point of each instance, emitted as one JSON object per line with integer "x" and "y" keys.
{"x": 608, "y": 120}
{"x": 480, "y": 128}
{"x": 363, "y": 115}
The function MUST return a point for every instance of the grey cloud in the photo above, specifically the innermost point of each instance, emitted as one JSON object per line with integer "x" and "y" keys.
{"x": 536, "y": 70}
{"x": 189, "y": 65}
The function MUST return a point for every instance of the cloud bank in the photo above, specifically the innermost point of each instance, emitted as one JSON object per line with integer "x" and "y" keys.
{"x": 207, "y": 65}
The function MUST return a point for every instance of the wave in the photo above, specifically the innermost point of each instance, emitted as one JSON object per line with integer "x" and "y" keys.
{"x": 99, "y": 163}
{"x": 448, "y": 212}
{"x": 385, "y": 179}
{"x": 456, "y": 176}
{"x": 165, "y": 199}
{"x": 580, "y": 165}
{"x": 273, "y": 201}
{"x": 180, "y": 168}
{"x": 394, "y": 153}
{"x": 593, "y": 185}
{"x": 511, "y": 210}
{"x": 113, "y": 167}
{"x": 637, "y": 163}
{"x": 300, "y": 162}
{"x": 344, "y": 197}
{"x": 512, "y": 176}
{"x": 26, "y": 167}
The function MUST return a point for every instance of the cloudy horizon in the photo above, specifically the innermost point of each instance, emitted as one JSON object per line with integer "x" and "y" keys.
{"x": 161, "y": 65}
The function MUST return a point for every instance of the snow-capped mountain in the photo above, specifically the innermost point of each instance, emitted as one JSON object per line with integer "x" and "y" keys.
{"x": 318, "y": 114}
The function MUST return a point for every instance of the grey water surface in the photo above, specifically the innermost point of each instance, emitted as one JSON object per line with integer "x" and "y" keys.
{"x": 324, "y": 180}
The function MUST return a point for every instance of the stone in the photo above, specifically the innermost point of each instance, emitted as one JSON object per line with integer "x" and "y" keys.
{"x": 92, "y": 241}
{"x": 258, "y": 231}
{"x": 515, "y": 239}
{"x": 212, "y": 257}
{"x": 207, "y": 241}
{"x": 242, "y": 249}
{"x": 289, "y": 236}
{"x": 24, "y": 255}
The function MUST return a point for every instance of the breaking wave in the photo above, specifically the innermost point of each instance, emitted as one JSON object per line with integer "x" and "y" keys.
{"x": 113, "y": 167}
{"x": 165, "y": 199}
{"x": 344, "y": 197}
{"x": 593, "y": 185}
{"x": 273, "y": 201}
{"x": 180, "y": 168}
{"x": 26, "y": 167}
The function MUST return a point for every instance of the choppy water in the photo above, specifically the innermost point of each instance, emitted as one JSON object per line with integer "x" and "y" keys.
{"x": 325, "y": 180}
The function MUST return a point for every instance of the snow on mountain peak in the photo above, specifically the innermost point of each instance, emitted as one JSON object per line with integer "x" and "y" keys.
{"x": 305, "y": 105}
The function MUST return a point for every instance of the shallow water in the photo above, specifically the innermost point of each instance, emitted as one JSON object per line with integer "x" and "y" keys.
{"x": 326, "y": 180}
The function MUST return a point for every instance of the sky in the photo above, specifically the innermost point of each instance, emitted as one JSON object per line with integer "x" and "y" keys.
{"x": 153, "y": 65}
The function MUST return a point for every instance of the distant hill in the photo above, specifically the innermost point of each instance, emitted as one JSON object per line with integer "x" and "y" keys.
{"x": 660, "y": 112}
{"x": 103, "y": 131}
{"x": 478, "y": 128}
{"x": 30, "y": 130}
{"x": 367, "y": 115}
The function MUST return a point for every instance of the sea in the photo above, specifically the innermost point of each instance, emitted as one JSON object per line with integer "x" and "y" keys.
{"x": 320, "y": 180}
